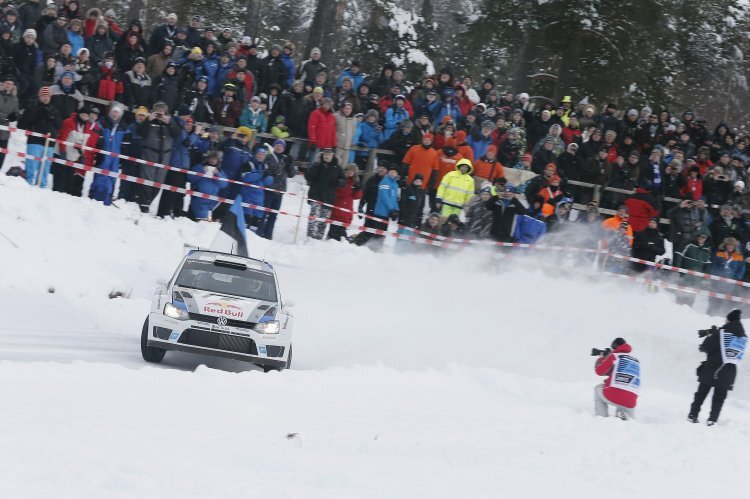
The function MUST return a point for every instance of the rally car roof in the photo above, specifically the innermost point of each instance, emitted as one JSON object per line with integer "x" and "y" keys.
{"x": 200, "y": 254}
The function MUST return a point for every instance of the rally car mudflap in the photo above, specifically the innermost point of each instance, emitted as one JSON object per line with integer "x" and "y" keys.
{"x": 253, "y": 359}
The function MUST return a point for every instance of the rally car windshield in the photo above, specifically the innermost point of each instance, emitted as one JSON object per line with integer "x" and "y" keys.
{"x": 245, "y": 282}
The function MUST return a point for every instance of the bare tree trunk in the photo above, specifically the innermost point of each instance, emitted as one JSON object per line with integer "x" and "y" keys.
{"x": 526, "y": 57}
{"x": 326, "y": 22}
{"x": 369, "y": 58}
{"x": 134, "y": 11}
{"x": 428, "y": 11}
{"x": 566, "y": 76}
{"x": 252, "y": 18}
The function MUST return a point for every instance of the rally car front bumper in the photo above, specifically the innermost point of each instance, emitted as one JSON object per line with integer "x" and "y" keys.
{"x": 243, "y": 344}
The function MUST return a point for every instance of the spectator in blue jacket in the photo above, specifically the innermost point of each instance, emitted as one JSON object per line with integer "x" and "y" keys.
{"x": 237, "y": 153}
{"x": 171, "y": 203}
{"x": 255, "y": 173}
{"x": 75, "y": 36}
{"x": 110, "y": 139}
{"x": 354, "y": 74}
{"x": 254, "y": 117}
{"x": 530, "y": 227}
{"x": 201, "y": 209}
{"x": 369, "y": 133}
{"x": 429, "y": 104}
{"x": 210, "y": 69}
{"x": 286, "y": 58}
{"x": 387, "y": 204}
{"x": 394, "y": 116}
{"x": 448, "y": 107}
{"x": 480, "y": 144}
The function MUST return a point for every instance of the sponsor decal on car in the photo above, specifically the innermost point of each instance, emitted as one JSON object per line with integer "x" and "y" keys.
{"x": 223, "y": 308}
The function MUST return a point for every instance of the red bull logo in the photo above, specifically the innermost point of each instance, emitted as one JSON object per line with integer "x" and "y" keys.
{"x": 221, "y": 308}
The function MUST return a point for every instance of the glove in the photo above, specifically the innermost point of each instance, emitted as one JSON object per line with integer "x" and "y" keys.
{"x": 394, "y": 215}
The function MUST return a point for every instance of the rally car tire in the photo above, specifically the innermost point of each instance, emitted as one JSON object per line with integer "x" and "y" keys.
{"x": 287, "y": 366}
{"x": 150, "y": 354}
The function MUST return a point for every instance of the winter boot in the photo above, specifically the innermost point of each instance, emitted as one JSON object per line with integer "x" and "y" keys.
{"x": 710, "y": 422}
{"x": 621, "y": 415}
{"x": 692, "y": 418}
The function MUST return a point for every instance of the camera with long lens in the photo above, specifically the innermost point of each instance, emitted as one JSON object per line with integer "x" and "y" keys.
{"x": 702, "y": 333}
{"x": 595, "y": 352}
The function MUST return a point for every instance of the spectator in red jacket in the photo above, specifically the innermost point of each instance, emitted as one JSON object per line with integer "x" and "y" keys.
{"x": 623, "y": 382}
{"x": 693, "y": 187}
{"x": 80, "y": 129}
{"x": 344, "y": 202}
{"x": 321, "y": 128}
{"x": 642, "y": 208}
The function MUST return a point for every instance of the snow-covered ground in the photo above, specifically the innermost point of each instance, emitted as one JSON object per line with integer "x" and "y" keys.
{"x": 449, "y": 375}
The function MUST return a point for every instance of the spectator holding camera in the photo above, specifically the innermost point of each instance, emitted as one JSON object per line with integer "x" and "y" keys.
{"x": 623, "y": 382}
{"x": 724, "y": 348}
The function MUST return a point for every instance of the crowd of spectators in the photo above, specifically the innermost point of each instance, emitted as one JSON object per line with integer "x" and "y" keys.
{"x": 467, "y": 159}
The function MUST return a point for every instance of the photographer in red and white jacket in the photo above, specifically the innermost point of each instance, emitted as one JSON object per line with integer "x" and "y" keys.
{"x": 623, "y": 382}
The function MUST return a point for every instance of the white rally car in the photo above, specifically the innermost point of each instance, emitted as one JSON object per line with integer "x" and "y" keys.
{"x": 221, "y": 305}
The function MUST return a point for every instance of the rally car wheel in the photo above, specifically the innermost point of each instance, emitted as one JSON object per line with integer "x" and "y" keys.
{"x": 287, "y": 366}
{"x": 150, "y": 354}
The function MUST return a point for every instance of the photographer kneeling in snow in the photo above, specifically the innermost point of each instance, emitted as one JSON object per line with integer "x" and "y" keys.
{"x": 724, "y": 348}
{"x": 624, "y": 380}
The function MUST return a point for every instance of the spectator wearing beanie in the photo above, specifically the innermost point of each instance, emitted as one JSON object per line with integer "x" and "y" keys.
{"x": 368, "y": 134}
{"x": 343, "y": 203}
{"x": 487, "y": 167}
{"x": 42, "y": 118}
{"x": 422, "y": 159}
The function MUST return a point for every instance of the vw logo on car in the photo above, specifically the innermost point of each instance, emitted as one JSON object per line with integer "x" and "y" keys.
{"x": 221, "y": 321}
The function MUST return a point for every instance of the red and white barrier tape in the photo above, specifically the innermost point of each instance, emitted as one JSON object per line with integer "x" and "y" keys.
{"x": 194, "y": 193}
{"x": 681, "y": 270}
{"x": 159, "y": 185}
{"x": 432, "y": 238}
{"x": 710, "y": 294}
{"x": 201, "y": 174}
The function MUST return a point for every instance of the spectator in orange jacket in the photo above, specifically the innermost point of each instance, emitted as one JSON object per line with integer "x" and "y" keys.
{"x": 488, "y": 168}
{"x": 613, "y": 223}
{"x": 422, "y": 158}
{"x": 463, "y": 148}
{"x": 448, "y": 158}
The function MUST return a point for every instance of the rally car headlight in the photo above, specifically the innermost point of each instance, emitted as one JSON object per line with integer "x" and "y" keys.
{"x": 270, "y": 327}
{"x": 175, "y": 312}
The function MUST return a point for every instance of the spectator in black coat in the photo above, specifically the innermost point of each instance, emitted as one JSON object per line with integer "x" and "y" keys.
{"x": 717, "y": 187}
{"x": 324, "y": 176}
{"x": 719, "y": 370}
{"x": 544, "y": 156}
{"x": 504, "y": 207}
{"x": 725, "y": 225}
{"x": 274, "y": 71}
{"x": 25, "y": 54}
{"x": 647, "y": 245}
{"x": 412, "y": 203}
{"x": 29, "y": 13}
{"x": 161, "y": 34}
{"x": 607, "y": 120}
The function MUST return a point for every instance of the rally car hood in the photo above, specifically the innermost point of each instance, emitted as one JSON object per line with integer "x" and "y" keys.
{"x": 200, "y": 302}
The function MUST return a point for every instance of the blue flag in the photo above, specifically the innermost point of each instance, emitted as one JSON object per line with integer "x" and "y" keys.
{"x": 233, "y": 225}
